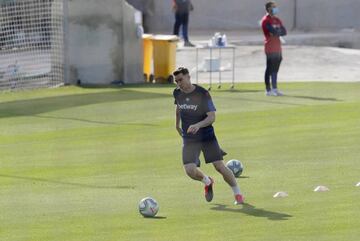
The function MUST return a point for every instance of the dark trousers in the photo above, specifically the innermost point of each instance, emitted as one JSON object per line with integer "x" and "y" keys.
{"x": 145, "y": 23}
{"x": 273, "y": 61}
{"x": 181, "y": 19}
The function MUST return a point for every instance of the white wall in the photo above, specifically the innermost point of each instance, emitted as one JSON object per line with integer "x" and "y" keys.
{"x": 316, "y": 14}
{"x": 237, "y": 14}
{"x": 103, "y": 46}
{"x": 220, "y": 15}
{"x": 245, "y": 14}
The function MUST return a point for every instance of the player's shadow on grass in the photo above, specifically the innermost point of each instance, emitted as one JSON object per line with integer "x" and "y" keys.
{"x": 83, "y": 185}
{"x": 36, "y": 106}
{"x": 251, "y": 210}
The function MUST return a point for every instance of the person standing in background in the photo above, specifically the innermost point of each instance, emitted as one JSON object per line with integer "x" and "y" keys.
{"x": 182, "y": 9}
{"x": 273, "y": 29}
{"x": 146, "y": 7}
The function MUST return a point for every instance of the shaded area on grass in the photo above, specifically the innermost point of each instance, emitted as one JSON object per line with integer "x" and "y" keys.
{"x": 243, "y": 177}
{"x": 36, "y": 179}
{"x": 239, "y": 90}
{"x": 313, "y": 98}
{"x": 277, "y": 99}
{"x": 33, "y": 107}
{"x": 156, "y": 217}
{"x": 130, "y": 86}
{"x": 269, "y": 100}
{"x": 94, "y": 121}
{"x": 251, "y": 210}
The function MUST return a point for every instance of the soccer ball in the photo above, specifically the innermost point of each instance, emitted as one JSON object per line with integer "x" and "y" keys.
{"x": 236, "y": 167}
{"x": 148, "y": 207}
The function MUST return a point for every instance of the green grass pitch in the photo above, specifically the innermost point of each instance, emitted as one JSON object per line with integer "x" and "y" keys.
{"x": 74, "y": 163}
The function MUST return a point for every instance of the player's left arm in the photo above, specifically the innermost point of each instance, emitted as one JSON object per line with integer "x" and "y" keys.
{"x": 210, "y": 109}
{"x": 209, "y": 120}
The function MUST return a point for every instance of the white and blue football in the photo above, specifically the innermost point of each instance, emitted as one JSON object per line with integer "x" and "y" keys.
{"x": 236, "y": 167}
{"x": 148, "y": 207}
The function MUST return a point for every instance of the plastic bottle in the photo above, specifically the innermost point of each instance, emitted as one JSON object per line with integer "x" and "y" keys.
{"x": 224, "y": 40}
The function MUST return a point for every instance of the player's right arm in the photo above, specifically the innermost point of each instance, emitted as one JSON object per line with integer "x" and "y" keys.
{"x": 209, "y": 120}
{"x": 177, "y": 120}
{"x": 210, "y": 109}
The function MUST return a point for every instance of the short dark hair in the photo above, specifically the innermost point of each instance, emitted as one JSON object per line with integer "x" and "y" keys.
{"x": 268, "y": 5}
{"x": 181, "y": 70}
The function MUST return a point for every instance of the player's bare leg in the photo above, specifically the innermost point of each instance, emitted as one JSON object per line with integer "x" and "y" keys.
{"x": 195, "y": 173}
{"x": 229, "y": 178}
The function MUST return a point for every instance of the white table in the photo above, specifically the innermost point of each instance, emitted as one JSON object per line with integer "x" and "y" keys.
{"x": 219, "y": 49}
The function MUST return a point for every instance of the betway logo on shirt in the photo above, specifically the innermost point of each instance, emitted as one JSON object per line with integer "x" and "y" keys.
{"x": 188, "y": 107}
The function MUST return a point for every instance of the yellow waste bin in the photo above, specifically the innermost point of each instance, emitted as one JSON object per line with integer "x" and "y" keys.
{"x": 148, "y": 57}
{"x": 164, "y": 57}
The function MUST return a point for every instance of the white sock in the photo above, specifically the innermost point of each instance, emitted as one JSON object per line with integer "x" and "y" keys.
{"x": 236, "y": 190}
{"x": 206, "y": 180}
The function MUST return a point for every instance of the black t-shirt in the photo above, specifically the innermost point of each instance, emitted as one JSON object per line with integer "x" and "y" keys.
{"x": 193, "y": 108}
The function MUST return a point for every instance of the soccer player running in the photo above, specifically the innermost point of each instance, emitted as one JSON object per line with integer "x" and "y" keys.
{"x": 273, "y": 29}
{"x": 195, "y": 112}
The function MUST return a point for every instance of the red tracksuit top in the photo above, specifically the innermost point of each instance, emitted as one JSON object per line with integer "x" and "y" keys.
{"x": 272, "y": 43}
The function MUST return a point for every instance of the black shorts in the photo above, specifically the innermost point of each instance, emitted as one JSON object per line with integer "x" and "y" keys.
{"x": 210, "y": 148}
